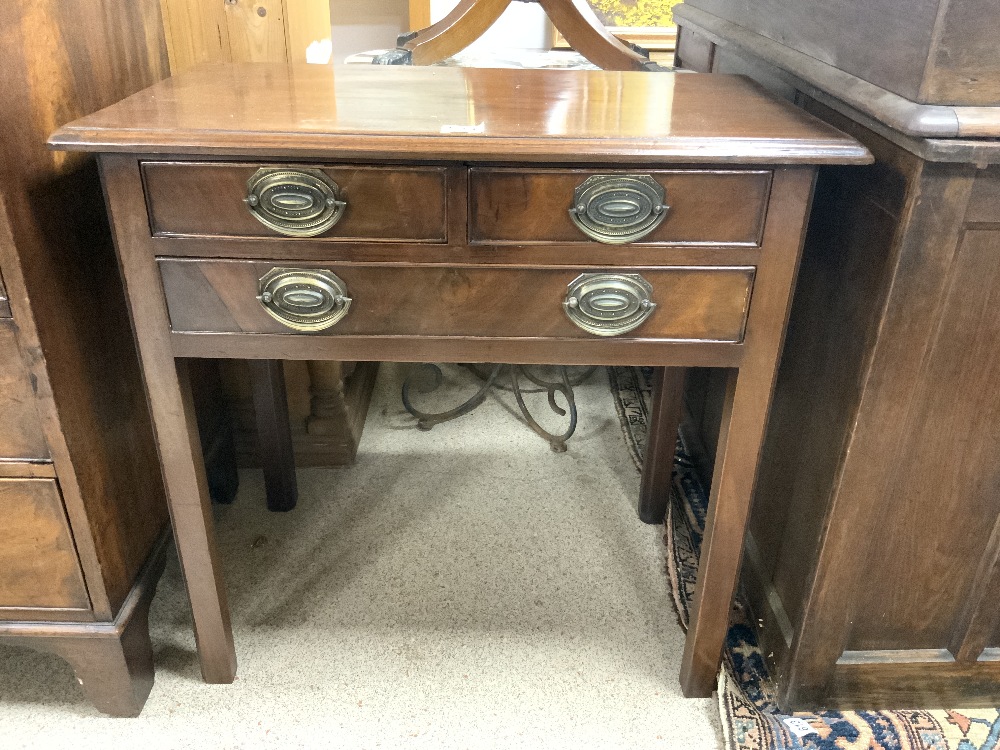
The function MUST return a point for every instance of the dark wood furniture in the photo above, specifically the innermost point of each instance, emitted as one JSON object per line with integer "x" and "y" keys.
{"x": 457, "y": 242}
{"x": 928, "y": 68}
{"x": 873, "y": 553}
{"x": 469, "y": 20}
{"x": 327, "y": 405}
{"x": 83, "y": 518}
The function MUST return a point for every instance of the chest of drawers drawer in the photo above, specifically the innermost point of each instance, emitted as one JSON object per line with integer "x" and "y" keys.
{"x": 667, "y": 207}
{"x": 330, "y": 203}
{"x": 671, "y": 303}
{"x": 38, "y": 563}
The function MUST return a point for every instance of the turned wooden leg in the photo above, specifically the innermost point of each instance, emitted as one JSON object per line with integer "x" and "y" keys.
{"x": 274, "y": 433}
{"x": 661, "y": 444}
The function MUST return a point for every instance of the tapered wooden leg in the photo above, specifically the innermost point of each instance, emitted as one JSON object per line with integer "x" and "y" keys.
{"x": 274, "y": 433}
{"x": 194, "y": 535}
{"x": 174, "y": 421}
{"x": 661, "y": 445}
{"x": 743, "y": 420}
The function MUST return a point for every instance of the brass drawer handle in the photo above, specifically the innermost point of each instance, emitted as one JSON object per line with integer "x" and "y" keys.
{"x": 304, "y": 299}
{"x": 295, "y": 202}
{"x": 617, "y": 209}
{"x": 609, "y": 304}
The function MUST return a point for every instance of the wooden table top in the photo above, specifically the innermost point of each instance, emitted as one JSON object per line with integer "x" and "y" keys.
{"x": 365, "y": 112}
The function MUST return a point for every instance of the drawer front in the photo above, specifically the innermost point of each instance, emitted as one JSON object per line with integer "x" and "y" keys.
{"x": 690, "y": 303}
{"x": 20, "y": 426}
{"x": 529, "y": 207}
{"x": 38, "y": 562}
{"x": 380, "y": 204}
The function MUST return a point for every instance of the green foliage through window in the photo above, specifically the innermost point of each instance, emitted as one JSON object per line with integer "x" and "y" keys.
{"x": 635, "y": 12}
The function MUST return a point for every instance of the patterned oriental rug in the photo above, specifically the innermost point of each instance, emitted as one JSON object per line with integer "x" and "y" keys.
{"x": 750, "y": 718}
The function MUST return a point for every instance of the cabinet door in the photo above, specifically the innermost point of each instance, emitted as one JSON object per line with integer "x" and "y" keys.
{"x": 38, "y": 563}
{"x": 20, "y": 427}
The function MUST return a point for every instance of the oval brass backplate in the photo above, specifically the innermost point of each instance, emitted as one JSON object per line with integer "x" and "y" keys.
{"x": 618, "y": 209}
{"x": 609, "y": 304}
{"x": 294, "y": 202}
{"x": 304, "y": 299}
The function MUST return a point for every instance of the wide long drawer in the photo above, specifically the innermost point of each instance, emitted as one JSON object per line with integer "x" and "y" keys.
{"x": 38, "y": 562}
{"x": 678, "y": 207}
{"x": 334, "y": 203}
{"x": 673, "y": 303}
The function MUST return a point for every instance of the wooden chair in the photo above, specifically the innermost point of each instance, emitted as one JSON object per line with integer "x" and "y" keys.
{"x": 470, "y": 19}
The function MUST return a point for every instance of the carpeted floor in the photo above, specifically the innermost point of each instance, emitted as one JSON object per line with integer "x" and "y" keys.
{"x": 463, "y": 588}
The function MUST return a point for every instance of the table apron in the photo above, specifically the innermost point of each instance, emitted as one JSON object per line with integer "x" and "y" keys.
{"x": 552, "y": 351}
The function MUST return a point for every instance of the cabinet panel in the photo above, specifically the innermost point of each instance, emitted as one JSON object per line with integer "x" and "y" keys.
{"x": 38, "y": 562}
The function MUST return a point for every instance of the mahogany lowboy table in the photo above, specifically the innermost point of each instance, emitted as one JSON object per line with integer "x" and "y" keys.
{"x": 462, "y": 215}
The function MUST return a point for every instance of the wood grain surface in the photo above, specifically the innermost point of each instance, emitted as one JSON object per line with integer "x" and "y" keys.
{"x": 407, "y": 307}
{"x": 60, "y": 61}
{"x": 513, "y": 206}
{"x": 701, "y": 304}
{"x": 411, "y": 112}
{"x": 942, "y": 52}
{"x": 21, "y": 436}
{"x": 382, "y": 204}
{"x": 38, "y": 565}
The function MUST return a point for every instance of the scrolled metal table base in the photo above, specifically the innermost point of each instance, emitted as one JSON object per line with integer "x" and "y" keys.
{"x": 490, "y": 379}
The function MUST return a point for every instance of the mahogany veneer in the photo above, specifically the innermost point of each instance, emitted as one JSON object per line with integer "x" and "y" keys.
{"x": 737, "y": 167}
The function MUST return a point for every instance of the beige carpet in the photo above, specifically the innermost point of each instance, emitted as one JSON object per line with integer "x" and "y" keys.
{"x": 462, "y": 588}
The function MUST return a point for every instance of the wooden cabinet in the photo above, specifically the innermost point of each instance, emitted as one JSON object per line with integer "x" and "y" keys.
{"x": 83, "y": 519}
{"x": 930, "y": 52}
{"x": 873, "y": 555}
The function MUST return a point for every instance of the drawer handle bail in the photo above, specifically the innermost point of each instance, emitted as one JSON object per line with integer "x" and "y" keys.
{"x": 609, "y": 304}
{"x": 304, "y": 299}
{"x": 618, "y": 209}
{"x": 295, "y": 202}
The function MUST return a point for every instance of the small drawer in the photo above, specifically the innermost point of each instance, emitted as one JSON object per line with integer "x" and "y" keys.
{"x": 38, "y": 562}
{"x": 333, "y": 203}
{"x": 681, "y": 303}
{"x": 512, "y": 206}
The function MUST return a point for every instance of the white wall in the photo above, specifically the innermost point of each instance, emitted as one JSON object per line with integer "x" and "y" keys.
{"x": 362, "y": 25}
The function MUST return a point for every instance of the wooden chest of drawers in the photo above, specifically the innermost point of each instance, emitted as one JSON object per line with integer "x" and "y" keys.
{"x": 83, "y": 519}
{"x": 467, "y": 216}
